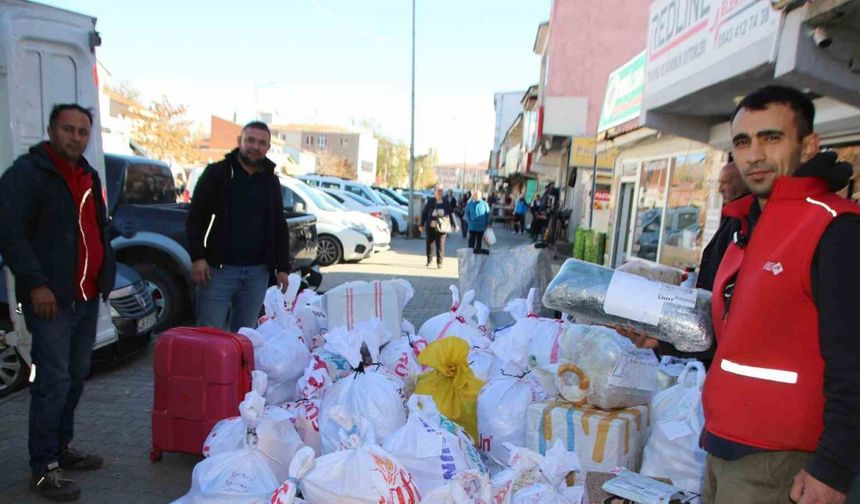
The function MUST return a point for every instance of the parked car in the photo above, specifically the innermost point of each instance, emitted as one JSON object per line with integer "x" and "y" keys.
{"x": 150, "y": 229}
{"x": 381, "y": 231}
{"x": 132, "y": 312}
{"x": 357, "y": 203}
{"x": 351, "y": 186}
{"x": 393, "y": 194}
{"x": 339, "y": 237}
{"x": 399, "y": 213}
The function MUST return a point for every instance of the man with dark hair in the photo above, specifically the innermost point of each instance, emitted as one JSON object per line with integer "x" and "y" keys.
{"x": 237, "y": 234}
{"x": 53, "y": 236}
{"x": 731, "y": 185}
{"x": 781, "y": 401}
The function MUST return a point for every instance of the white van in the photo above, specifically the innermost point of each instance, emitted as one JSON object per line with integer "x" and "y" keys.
{"x": 339, "y": 238}
{"x": 47, "y": 56}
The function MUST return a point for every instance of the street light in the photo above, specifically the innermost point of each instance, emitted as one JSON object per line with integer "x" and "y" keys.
{"x": 412, "y": 137}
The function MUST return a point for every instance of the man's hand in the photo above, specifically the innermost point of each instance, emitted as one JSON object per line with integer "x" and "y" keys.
{"x": 808, "y": 490}
{"x": 283, "y": 280}
{"x": 200, "y": 273}
{"x": 44, "y": 303}
{"x": 638, "y": 339}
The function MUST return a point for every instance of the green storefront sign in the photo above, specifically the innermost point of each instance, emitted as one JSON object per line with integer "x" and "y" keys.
{"x": 623, "y": 97}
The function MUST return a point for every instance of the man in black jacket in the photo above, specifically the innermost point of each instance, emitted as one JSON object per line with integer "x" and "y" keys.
{"x": 237, "y": 233}
{"x": 53, "y": 236}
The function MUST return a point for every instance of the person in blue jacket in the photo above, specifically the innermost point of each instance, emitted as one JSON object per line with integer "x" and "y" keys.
{"x": 478, "y": 217}
{"x": 520, "y": 215}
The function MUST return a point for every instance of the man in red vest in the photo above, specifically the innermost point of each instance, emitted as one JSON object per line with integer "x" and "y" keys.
{"x": 782, "y": 397}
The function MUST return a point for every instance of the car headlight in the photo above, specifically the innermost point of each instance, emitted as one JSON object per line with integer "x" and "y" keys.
{"x": 113, "y": 312}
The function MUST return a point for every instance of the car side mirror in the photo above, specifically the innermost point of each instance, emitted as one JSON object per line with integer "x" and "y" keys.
{"x": 299, "y": 207}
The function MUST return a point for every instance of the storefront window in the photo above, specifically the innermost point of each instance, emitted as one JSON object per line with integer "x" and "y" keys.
{"x": 851, "y": 154}
{"x": 649, "y": 208}
{"x": 685, "y": 213}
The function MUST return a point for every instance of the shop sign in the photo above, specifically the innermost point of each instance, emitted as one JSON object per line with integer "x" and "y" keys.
{"x": 688, "y": 36}
{"x": 582, "y": 154}
{"x": 623, "y": 93}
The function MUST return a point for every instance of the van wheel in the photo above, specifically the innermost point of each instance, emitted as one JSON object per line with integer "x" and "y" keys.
{"x": 329, "y": 250}
{"x": 14, "y": 371}
{"x": 171, "y": 302}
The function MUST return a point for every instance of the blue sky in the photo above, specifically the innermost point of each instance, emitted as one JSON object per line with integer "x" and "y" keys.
{"x": 328, "y": 61}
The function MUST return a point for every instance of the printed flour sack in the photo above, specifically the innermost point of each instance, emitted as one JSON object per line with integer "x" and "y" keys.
{"x": 433, "y": 448}
{"x": 360, "y": 473}
{"x": 459, "y": 322}
{"x": 504, "y": 400}
{"x": 372, "y": 392}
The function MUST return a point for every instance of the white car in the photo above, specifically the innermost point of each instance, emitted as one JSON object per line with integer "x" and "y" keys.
{"x": 355, "y": 202}
{"x": 340, "y": 238}
{"x": 350, "y": 186}
{"x": 381, "y": 231}
{"x": 399, "y": 213}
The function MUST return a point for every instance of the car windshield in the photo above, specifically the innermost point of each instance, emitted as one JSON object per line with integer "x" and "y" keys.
{"x": 388, "y": 199}
{"x": 309, "y": 192}
{"x": 329, "y": 199}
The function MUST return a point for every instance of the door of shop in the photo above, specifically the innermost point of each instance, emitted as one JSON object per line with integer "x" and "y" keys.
{"x": 623, "y": 230}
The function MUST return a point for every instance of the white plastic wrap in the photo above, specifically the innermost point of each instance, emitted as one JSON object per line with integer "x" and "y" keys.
{"x": 673, "y": 449}
{"x": 372, "y": 392}
{"x": 669, "y": 371}
{"x": 432, "y": 448}
{"x": 283, "y": 357}
{"x": 360, "y": 473}
{"x": 505, "y": 274}
{"x": 553, "y": 483}
{"x": 593, "y": 294}
{"x": 605, "y": 369}
{"x": 241, "y": 476}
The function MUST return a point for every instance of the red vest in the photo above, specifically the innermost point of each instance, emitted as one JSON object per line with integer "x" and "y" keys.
{"x": 766, "y": 385}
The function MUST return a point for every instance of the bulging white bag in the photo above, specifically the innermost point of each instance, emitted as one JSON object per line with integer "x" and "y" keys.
{"x": 467, "y": 487}
{"x": 605, "y": 369}
{"x": 457, "y": 322}
{"x": 672, "y": 450}
{"x": 401, "y": 357}
{"x": 490, "y": 237}
{"x": 433, "y": 448}
{"x": 353, "y": 302}
{"x": 482, "y": 360}
{"x": 241, "y": 476}
{"x": 306, "y": 410}
{"x": 283, "y": 357}
{"x": 558, "y": 480}
{"x": 504, "y": 400}
{"x": 360, "y": 473}
{"x": 276, "y": 436}
{"x": 372, "y": 392}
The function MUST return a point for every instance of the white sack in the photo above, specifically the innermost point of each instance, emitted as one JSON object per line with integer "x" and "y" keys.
{"x": 673, "y": 450}
{"x": 283, "y": 358}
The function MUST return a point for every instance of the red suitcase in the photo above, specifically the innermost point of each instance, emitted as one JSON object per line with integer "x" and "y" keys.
{"x": 201, "y": 376}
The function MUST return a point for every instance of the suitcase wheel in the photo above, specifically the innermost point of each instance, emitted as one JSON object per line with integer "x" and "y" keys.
{"x": 154, "y": 455}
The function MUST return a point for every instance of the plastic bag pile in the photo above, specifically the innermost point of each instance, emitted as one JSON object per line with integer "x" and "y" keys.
{"x": 351, "y": 404}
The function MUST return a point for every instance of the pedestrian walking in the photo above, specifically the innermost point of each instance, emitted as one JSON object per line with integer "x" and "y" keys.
{"x": 53, "y": 236}
{"x": 782, "y": 410}
{"x": 237, "y": 234}
{"x": 461, "y": 212}
{"x": 538, "y": 218}
{"x": 520, "y": 211}
{"x": 478, "y": 216}
{"x": 438, "y": 220}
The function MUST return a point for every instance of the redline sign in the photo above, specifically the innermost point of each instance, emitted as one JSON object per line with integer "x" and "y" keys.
{"x": 675, "y": 22}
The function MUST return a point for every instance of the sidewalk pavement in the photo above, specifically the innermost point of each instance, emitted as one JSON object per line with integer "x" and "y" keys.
{"x": 113, "y": 418}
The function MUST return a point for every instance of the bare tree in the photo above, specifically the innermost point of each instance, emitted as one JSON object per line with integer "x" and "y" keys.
{"x": 335, "y": 166}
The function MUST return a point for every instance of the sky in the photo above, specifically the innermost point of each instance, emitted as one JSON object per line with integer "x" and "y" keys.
{"x": 328, "y": 61}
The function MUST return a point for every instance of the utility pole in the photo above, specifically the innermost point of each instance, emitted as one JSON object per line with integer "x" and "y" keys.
{"x": 412, "y": 137}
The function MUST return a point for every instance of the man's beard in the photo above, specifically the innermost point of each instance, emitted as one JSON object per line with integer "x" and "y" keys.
{"x": 248, "y": 161}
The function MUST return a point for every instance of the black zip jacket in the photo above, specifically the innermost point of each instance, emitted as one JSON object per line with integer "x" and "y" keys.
{"x": 835, "y": 276}
{"x": 39, "y": 228}
{"x": 207, "y": 226}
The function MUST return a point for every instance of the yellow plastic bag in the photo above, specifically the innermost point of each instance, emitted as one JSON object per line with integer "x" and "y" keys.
{"x": 451, "y": 383}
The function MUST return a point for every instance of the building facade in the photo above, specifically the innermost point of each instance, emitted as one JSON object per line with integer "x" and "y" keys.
{"x": 357, "y": 146}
